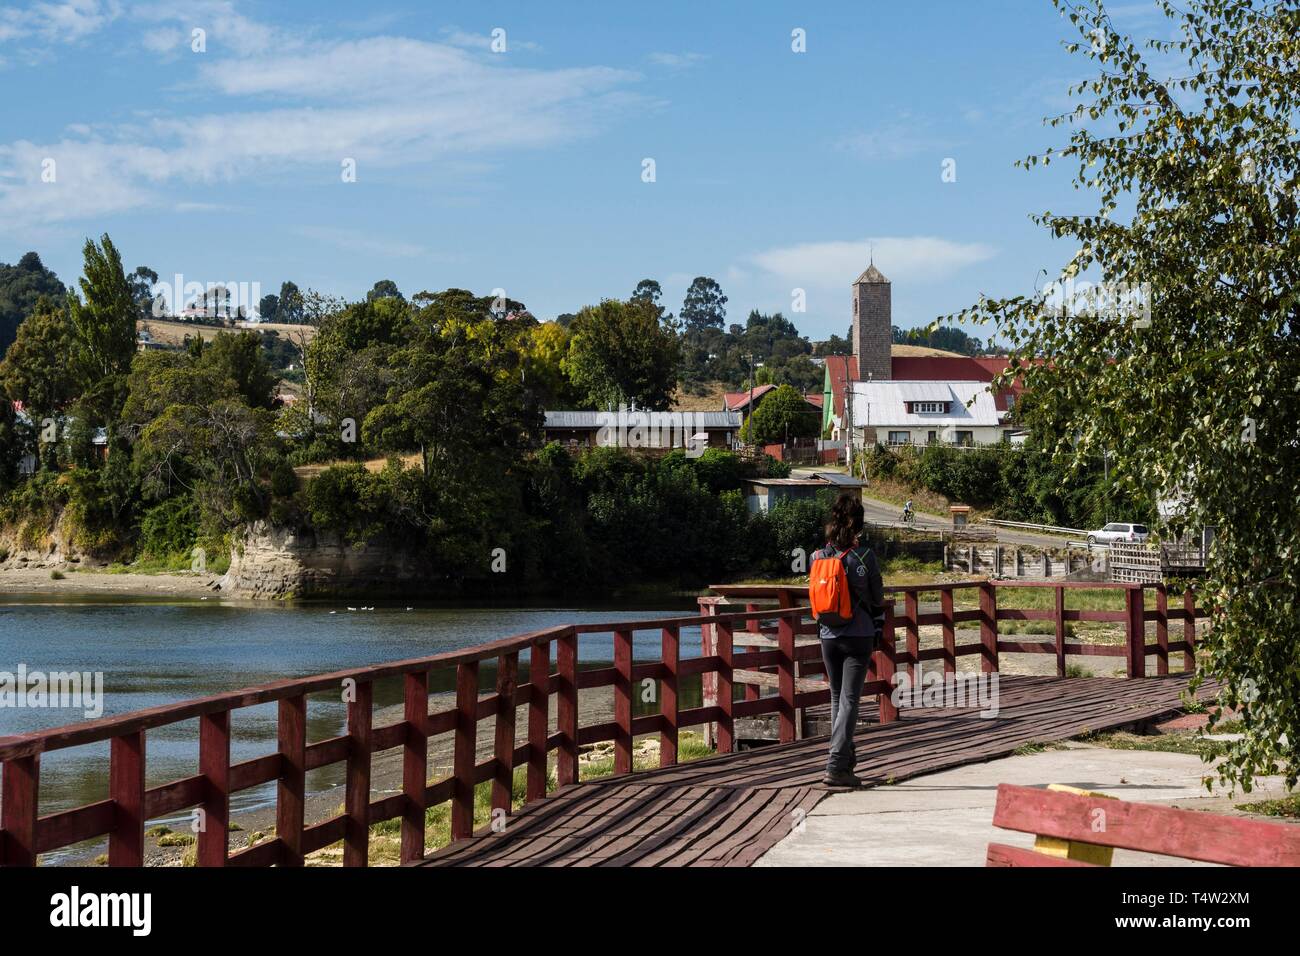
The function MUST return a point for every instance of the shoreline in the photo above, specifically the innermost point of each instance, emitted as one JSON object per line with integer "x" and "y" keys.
{"x": 75, "y": 582}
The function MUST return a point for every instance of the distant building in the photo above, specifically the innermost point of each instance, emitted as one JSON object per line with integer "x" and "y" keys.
{"x": 641, "y": 429}
{"x": 921, "y": 413}
{"x": 764, "y": 494}
{"x": 745, "y": 402}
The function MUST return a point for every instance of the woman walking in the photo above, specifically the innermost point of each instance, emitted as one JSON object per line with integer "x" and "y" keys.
{"x": 849, "y": 636}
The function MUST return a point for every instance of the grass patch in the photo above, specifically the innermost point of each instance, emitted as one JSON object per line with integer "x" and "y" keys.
{"x": 1077, "y": 670}
{"x": 1038, "y": 747}
{"x": 176, "y": 839}
{"x": 56, "y": 575}
{"x": 1178, "y": 743}
{"x": 1286, "y": 807}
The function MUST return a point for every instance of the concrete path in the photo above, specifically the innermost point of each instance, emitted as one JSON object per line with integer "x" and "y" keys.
{"x": 945, "y": 819}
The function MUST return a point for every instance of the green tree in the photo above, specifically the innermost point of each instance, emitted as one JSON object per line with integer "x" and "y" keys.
{"x": 1186, "y": 372}
{"x": 37, "y": 372}
{"x": 104, "y": 315}
{"x": 620, "y": 353}
{"x": 384, "y": 289}
{"x": 782, "y": 414}
{"x": 21, "y": 286}
{"x": 704, "y": 306}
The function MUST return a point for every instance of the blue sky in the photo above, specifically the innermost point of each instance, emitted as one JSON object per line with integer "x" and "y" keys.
{"x": 522, "y": 169}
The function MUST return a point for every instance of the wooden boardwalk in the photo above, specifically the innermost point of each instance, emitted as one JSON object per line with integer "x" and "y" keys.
{"x": 729, "y": 810}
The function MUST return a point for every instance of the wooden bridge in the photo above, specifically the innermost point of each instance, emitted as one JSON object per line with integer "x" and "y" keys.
{"x": 724, "y": 810}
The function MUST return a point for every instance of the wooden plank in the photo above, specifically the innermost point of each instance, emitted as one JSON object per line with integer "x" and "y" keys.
{"x": 999, "y": 854}
{"x": 415, "y": 763}
{"x": 214, "y": 765}
{"x": 726, "y": 723}
{"x": 566, "y": 710}
{"x": 1162, "y": 630}
{"x": 1146, "y": 828}
{"x": 785, "y": 670}
{"x": 882, "y": 667}
{"x": 912, "y": 609}
{"x": 1189, "y": 630}
{"x": 670, "y": 648}
{"x": 1059, "y": 616}
{"x": 503, "y": 780}
{"x": 290, "y": 794}
{"x": 949, "y": 632}
{"x": 539, "y": 670}
{"x": 126, "y": 790}
{"x": 466, "y": 740}
{"x": 356, "y": 801}
{"x": 623, "y": 701}
{"x": 988, "y": 629}
{"x": 1135, "y": 633}
{"x": 18, "y": 810}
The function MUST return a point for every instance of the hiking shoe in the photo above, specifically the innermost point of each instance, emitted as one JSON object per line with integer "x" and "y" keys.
{"x": 841, "y": 778}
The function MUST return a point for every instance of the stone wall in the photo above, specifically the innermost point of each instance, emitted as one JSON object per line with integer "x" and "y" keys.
{"x": 873, "y": 331}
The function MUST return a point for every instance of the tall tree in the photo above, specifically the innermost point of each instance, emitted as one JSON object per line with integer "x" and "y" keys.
{"x": 36, "y": 370}
{"x": 1185, "y": 371}
{"x": 21, "y": 285}
{"x": 384, "y": 289}
{"x": 619, "y": 352}
{"x": 142, "y": 282}
{"x": 704, "y": 306}
{"x": 104, "y": 315}
{"x": 291, "y": 303}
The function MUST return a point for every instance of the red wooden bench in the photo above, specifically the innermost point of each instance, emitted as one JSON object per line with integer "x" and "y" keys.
{"x": 1188, "y": 834}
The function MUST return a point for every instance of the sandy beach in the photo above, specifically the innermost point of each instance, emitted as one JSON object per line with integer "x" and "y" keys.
{"x": 129, "y": 584}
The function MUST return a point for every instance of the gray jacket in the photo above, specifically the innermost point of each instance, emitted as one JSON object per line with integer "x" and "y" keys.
{"x": 868, "y": 592}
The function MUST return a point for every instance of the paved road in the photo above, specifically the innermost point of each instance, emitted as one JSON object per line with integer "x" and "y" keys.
{"x": 888, "y": 514}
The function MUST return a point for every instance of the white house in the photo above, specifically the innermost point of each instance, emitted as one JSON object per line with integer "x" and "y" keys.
{"x": 921, "y": 412}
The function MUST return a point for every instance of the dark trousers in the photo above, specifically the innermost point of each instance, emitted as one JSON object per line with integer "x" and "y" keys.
{"x": 846, "y": 660}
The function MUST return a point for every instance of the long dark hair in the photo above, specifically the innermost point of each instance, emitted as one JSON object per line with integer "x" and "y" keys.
{"x": 846, "y": 521}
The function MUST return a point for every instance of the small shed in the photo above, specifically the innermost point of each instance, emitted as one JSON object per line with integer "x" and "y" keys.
{"x": 960, "y": 515}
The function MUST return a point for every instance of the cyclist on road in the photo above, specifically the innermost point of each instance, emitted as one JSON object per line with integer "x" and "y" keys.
{"x": 907, "y": 511}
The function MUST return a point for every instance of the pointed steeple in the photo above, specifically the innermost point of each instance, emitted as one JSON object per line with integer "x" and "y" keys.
{"x": 871, "y": 275}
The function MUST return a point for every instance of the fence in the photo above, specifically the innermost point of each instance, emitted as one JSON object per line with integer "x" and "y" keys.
{"x": 772, "y": 630}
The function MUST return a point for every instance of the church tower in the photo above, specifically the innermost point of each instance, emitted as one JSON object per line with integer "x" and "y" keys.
{"x": 873, "y": 332}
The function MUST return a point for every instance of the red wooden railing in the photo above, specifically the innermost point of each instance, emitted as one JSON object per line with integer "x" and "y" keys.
{"x": 25, "y": 833}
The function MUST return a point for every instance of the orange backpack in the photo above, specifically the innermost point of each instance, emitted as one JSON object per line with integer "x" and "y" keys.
{"x": 829, "y": 595}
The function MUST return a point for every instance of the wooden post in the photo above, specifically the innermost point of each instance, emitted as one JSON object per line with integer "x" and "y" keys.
{"x": 970, "y": 559}
{"x": 466, "y": 746}
{"x": 415, "y": 763}
{"x": 751, "y": 691}
{"x": 1059, "y": 618}
{"x": 1162, "y": 629}
{"x": 214, "y": 765}
{"x": 912, "y": 606}
{"x": 539, "y": 676}
{"x": 1189, "y": 630}
{"x": 503, "y": 780}
{"x": 18, "y": 801}
{"x": 1047, "y": 564}
{"x": 883, "y": 659}
{"x": 356, "y": 800}
{"x": 291, "y": 733}
{"x": 785, "y": 680}
{"x": 988, "y": 628}
{"x": 566, "y": 716}
{"x": 1135, "y": 632}
{"x": 623, "y": 701}
{"x": 709, "y": 679}
{"x": 726, "y": 724}
{"x": 949, "y": 632}
{"x": 670, "y": 641}
{"x": 126, "y": 790}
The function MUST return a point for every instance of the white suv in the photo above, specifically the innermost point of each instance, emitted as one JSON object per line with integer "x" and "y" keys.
{"x": 1119, "y": 531}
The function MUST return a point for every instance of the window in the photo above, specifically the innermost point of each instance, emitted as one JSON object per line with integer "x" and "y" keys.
{"x": 900, "y": 438}
{"x": 933, "y": 437}
{"x": 927, "y": 408}
{"x": 964, "y": 438}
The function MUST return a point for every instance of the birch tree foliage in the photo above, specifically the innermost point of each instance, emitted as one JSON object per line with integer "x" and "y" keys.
{"x": 1185, "y": 370}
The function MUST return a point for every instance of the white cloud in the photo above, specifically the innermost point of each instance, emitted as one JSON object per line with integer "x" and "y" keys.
{"x": 355, "y": 242}
{"x": 483, "y": 41}
{"x": 383, "y": 101}
{"x": 900, "y": 258}
{"x": 677, "y": 61}
{"x": 65, "y": 22}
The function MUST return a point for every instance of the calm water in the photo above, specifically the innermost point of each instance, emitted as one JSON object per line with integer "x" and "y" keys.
{"x": 156, "y": 653}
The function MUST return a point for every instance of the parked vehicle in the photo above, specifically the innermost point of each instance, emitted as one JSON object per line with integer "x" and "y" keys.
{"x": 1119, "y": 531}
